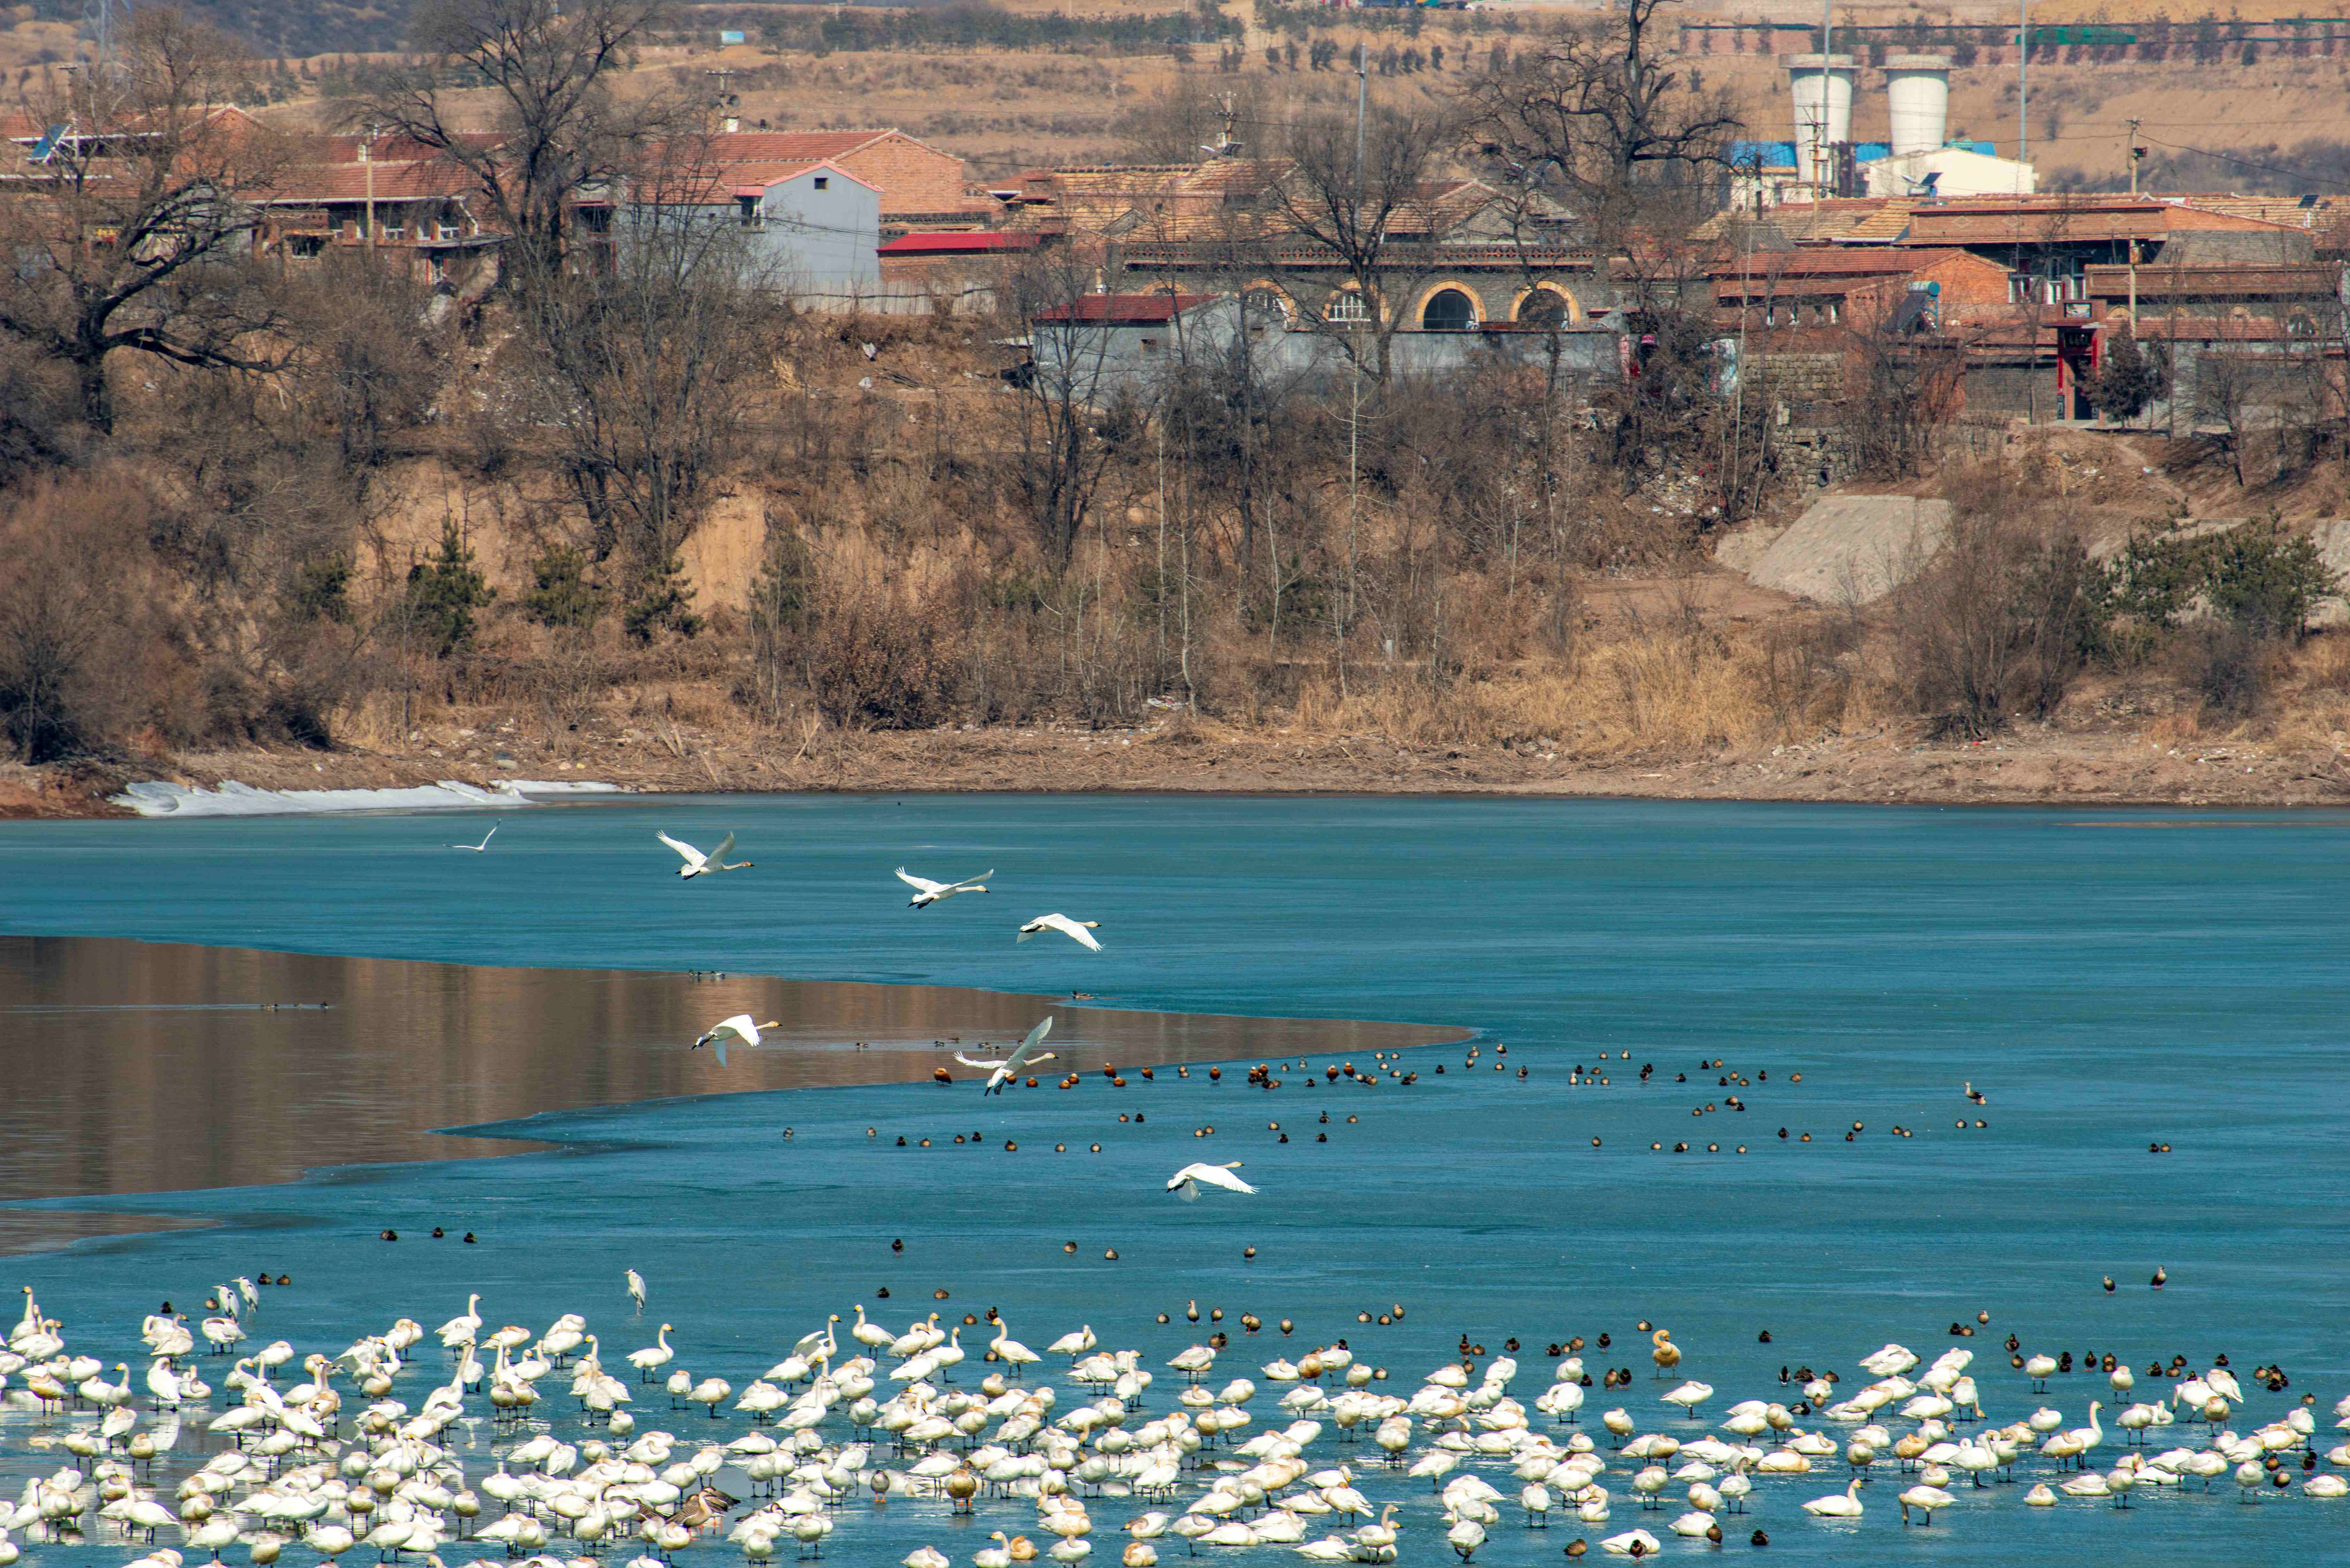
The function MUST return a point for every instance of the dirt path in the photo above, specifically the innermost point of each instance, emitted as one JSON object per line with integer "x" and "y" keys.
{"x": 2029, "y": 766}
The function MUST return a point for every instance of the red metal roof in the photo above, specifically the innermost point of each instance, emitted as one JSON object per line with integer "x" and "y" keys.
{"x": 1124, "y": 309}
{"x": 959, "y": 241}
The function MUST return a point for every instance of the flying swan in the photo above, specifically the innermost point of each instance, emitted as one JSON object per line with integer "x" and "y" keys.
{"x": 1012, "y": 1066}
{"x": 697, "y": 864}
{"x": 741, "y": 1027}
{"x": 482, "y": 846}
{"x": 927, "y": 892}
{"x": 1081, "y": 931}
{"x": 1187, "y": 1180}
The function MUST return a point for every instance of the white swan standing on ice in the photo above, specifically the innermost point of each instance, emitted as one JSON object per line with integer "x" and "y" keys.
{"x": 1186, "y": 1181}
{"x": 657, "y": 1354}
{"x": 927, "y": 892}
{"x": 741, "y": 1027}
{"x": 1079, "y": 932}
{"x": 697, "y": 864}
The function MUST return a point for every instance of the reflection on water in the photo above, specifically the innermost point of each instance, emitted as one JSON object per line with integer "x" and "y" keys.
{"x": 146, "y": 1068}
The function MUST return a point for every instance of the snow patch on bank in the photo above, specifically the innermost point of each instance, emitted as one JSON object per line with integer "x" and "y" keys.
{"x": 235, "y": 799}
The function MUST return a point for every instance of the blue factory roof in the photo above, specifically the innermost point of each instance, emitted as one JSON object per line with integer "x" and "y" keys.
{"x": 1782, "y": 154}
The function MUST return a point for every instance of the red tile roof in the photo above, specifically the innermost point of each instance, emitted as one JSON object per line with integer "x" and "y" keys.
{"x": 409, "y": 182}
{"x": 964, "y": 242}
{"x": 2031, "y": 220}
{"x": 1124, "y": 309}
{"x": 785, "y": 146}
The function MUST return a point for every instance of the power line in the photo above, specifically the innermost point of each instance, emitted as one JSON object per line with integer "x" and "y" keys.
{"x": 2335, "y": 181}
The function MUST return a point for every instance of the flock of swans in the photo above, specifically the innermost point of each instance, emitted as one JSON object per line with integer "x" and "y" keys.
{"x": 378, "y": 1447}
{"x": 499, "y": 1443}
{"x": 926, "y": 892}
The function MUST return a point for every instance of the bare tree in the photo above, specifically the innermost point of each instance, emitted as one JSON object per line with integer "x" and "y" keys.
{"x": 2223, "y": 395}
{"x": 1906, "y": 388}
{"x": 132, "y": 227}
{"x": 557, "y": 127}
{"x": 1367, "y": 205}
{"x": 647, "y": 354}
{"x": 1601, "y": 121}
{"x": 1073, "y": 409}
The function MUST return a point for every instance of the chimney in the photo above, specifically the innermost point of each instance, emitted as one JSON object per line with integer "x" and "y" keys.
{"x": 1918, "y": 91}
{"x": 1822, "y": 87}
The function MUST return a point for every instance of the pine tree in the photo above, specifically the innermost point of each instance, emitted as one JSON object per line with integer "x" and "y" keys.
{"x": 2128, "y": 382}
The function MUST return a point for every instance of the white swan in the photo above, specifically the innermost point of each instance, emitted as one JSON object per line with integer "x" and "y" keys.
{"x": 482, "y": 847}
{"x": 1011, "y": 1351}
{"x": 1012, "y": 1066}
{"x": 462, "y": 1328}
{"x": 657, "y": 1354}
{"x": 870, "y": 1334}
{"x": 742, "y": 1028}
{"x": 1079, "y": 932}
{"x": 1690, "y": 1396}
{"x": 1187, "y": 1180}
{"x": 637, "y": 1286}
{"x": 2090, "y": 1436}
{"x": 697, "y": 864}
{"x": 1845, "y": 1504}
{"x": 927, "y": 892}
{"x": 1925, "y": 1500}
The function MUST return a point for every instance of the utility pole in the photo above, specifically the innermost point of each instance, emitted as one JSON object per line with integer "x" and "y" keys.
{"x": 2023, "y": 81}
{"x": 367, "y": 156}
{"x": 1362, "y": 95}
{"x": 2130, "y": 152}
{"x": 103, "y": 20}
{"x": 1820, "y": 154}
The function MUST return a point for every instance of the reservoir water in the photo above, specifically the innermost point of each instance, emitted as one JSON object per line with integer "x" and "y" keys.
{"x": 2107, "y": 981}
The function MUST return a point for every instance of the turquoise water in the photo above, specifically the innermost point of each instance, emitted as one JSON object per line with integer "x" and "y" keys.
{"x": 2106, "y": 978}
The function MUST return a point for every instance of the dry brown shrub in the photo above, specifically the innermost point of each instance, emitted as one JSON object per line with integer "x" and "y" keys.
{"x": 79, "y": 620}
{"x": 872, "y": 667}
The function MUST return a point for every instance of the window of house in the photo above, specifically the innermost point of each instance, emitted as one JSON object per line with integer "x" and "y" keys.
{"x": 1151, "y": 346}
{"x": 1449, "y": 310}
{"x": 1543, "y": 307}
{"x": 749, "y": 208}
{"x": 393, "y": 233}
{"x": 1264, "y": 308}
{"x": 305, "y": 246}
{"x": 1348, "y": 306}
{"x": 448, "y": 231}
{"x": 824, "y": 183}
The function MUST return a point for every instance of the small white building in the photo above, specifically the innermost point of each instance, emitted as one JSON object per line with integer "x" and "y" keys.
{"x": 1954, "y": 170}
{"x": 815, "y": 227}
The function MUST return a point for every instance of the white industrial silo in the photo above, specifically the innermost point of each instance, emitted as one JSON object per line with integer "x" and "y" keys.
{"x": 1822, "y": 87}
{"x": 1918, "y": 91}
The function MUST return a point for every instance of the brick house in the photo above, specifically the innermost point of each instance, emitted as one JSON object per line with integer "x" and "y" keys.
{"x": 1460, "y": 262}
{"x": 922, "y": 188}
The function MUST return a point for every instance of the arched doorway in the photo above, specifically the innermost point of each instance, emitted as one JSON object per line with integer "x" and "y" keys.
{"x": 1449, "y": 310}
